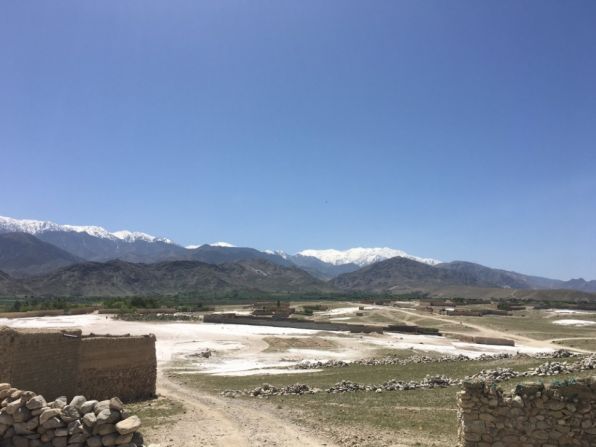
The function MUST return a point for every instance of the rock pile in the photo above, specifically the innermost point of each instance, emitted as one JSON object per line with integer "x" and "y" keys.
{"x": 546, "y": 369}
{"x": 345, "y": 386}
{"x": 552, "y": 369}
{"x": 28, "y": 420}
{"x": 438, "y": 381}
{"x": 494, "y": 375}
{"x": 318, "y": 364}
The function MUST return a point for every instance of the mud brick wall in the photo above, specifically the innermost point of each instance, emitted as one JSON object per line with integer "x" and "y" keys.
{"x": 46, "y": 361}
{"x": 532, "y": 415}
{"x": 62, "y": 363}
{"x": 6, "y": 350}
{"x": 290, "y": 322}
{"x": 117, "y": 366}
{"x": 485, "y": 340}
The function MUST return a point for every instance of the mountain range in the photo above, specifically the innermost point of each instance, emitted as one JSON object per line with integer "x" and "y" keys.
{"x": 44, "y": 258}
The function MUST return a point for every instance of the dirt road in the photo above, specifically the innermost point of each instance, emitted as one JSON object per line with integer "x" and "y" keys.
{"x": 211, "y": 420}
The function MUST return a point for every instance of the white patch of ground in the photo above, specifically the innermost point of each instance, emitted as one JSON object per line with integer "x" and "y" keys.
{"x": 233, "y": 311}
{"x": 571, "y": 311}
{"x": 571, "y": 322}
{"x": 338, "y": 311}
{"x": 444, "y": 345}
{"x": 242, "y": 350}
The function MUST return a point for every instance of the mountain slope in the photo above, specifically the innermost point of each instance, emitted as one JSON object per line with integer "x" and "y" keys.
{"x": 320, "y": 269}
{"x": 10, "y": 287}
{"x": 22, "y": 254}
{"x": 94, "y": 248}
{"x": 505, "y": 278}
{"x": 221, "y": 254}
{"x": 487, "y": 275}
{"x": 120, "y": 278}
{"x": 580, "y": 284}
{"x": 397, "y": 274}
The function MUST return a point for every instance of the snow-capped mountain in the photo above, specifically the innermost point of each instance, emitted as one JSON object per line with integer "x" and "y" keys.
{"x": 214, "y": 244}
{"x": 362, "y": 256}
{"x": 35, "y": 247}
{"x": 36, "y": 227}
{"x": 95, "y": 243}
{"x": 222, "y": 244}
{"x": 280, "y": 253}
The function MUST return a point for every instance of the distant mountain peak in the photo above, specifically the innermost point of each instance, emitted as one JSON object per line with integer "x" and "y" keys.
{"x": 281, "y": 253}
{"x": 362, "y": 256}
{"x": 222, "y": 244}
{"x": 30, "y": 226}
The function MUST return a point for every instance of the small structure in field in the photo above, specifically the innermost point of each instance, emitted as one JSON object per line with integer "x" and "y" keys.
{"x": 274, "y": 308}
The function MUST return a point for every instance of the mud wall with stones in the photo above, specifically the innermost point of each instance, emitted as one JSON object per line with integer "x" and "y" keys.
{"x": 63, "y": 363}
{"x": 555, "y": 415}
{"x": 120, "y": 366}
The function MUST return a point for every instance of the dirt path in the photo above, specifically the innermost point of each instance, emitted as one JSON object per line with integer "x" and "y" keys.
{"x": 211, "y": 420}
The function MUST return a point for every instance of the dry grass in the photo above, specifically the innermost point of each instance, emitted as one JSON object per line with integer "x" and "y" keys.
{"x": 277, "y": 344}
{"x": 156, "y": 413}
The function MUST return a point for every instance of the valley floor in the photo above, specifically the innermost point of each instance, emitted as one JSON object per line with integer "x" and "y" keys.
{"x": 197, "y": 362}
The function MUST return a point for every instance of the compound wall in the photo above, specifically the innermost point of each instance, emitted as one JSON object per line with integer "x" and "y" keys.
{"x": 63, "y": 363}
{"x": 117, "y": 366}
{"x": 533, "y": 415}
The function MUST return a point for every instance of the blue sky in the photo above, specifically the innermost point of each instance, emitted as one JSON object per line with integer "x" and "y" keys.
{"x": 449, "y": 129}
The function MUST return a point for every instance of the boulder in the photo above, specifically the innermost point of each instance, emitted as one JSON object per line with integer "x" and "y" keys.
{"x": 128, "y": 425}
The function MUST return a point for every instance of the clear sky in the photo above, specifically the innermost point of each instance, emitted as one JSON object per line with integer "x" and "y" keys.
{"x": 449, "y": 129}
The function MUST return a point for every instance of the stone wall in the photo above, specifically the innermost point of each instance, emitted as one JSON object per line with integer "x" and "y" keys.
{"x": 532, "y": 415}
{"x": 121, "y": 366}
{"x": 63, "y": 363}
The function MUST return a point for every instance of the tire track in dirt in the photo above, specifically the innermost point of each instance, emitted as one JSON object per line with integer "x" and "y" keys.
{"x": 211, "y": 420}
